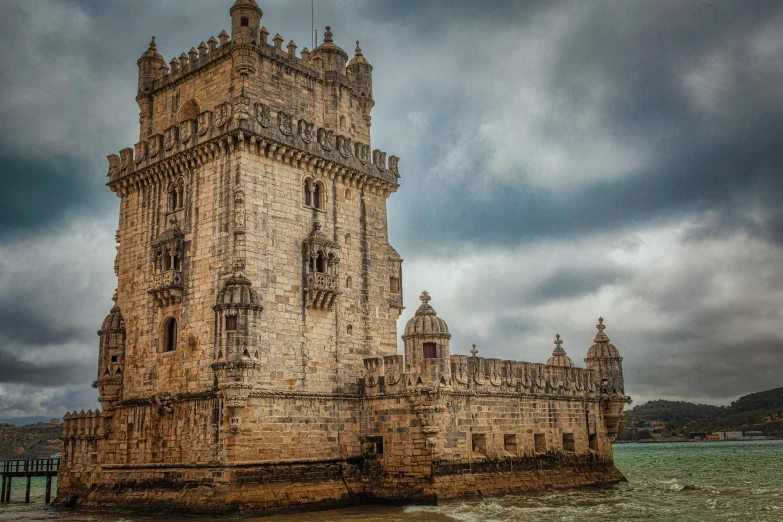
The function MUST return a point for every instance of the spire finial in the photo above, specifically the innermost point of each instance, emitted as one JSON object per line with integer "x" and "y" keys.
{"x": 474, "y": 352}
{"x": 425, "y": 297}
{"x": 328, "y": 35}
{"x": 558, "y": 342}
{"x": 358, "y": 49}
{"x": 153, "y": 45}
{"x": 601, "y": 336}
{"x": 600, "y": 324}
{"x": 558, "y": 347}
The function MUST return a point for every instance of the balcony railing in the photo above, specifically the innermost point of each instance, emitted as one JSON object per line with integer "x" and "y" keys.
{"x": 167, "y": 287}
{"x": 321, "y": 290}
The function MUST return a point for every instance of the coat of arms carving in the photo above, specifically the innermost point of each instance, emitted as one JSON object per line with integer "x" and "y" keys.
{"x": 344, "y": 146}
{"x": 285, "y": 122}
{"x": 223, "y": 113}
{"x": 155, "y": 144}
{"x": 126, "y": 156}
{"x": 362, "y": 152}
{"x": 170, "y": 137}
{"x": 394, "y": 163}
{"x": 141, "y": 151}
{"x": 326, "y": 139}
{"x": 204, "y": 121}
{"x": 263, "y": 115}
{"x": 379, "y": 159}
{"x": 306, "y": 131}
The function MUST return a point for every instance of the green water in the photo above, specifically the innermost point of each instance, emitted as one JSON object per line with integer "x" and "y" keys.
{"x": 741, "y": 481}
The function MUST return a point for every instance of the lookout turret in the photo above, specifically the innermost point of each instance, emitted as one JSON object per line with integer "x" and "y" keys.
{"x": 559, "y": 357}
{"x": 245, "y": 22}
{"x": 427, "y": 352}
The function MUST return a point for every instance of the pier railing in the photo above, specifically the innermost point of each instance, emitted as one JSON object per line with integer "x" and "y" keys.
{"x": 10, "y": 469}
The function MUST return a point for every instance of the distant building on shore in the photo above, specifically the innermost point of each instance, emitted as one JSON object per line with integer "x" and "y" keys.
{"x": 55, "y": 421}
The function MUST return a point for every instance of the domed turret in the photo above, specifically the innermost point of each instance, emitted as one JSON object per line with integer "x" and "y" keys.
{"x": 360, "y": 72}
{"x": 427, "y": 352}
{"x": 559, "y": 357}
{"x": 329, "y": 56}
{"x": 245, "y": 22}
{"x": 152, "y": 66}
{"x": 605, "y": 361}
{"x": 111, "y": 358}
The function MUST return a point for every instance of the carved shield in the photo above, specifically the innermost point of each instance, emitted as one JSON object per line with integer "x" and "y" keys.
{"x": 126, "y": 156}
{"x": 344, "y": 146}
{"x": 285, "y": 122}
{"x": 306, "y": 131}
{"x": 223, "y": 113}
{"x": 379, "y": 159}
{"x": 263, "y": 115}
{"x": 204, "y": 122}
{"x": 170, "y": 137}
{"x": 478, "y": 372}
{"x": 392, "y": 375}
{"x": 155, "y": 144}
{"x": 394, "y": 163}
{"x": 526, "y": 377}
{"x": 326, "y": 139}
{"x": 141, "y": 151}
{"x": 494, "y": 373}
{"x": 362, "y": 152}
{"x": 540, "y": 381}
{"x": 461, "y": 373}
{"x": 185, "y": 131}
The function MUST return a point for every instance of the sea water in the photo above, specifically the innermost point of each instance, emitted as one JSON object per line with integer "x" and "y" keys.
{"x": 685, "y": 481}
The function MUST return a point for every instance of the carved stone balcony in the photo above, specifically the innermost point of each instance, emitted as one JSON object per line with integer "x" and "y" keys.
{"x": 321, "y": 290}
{"x": 395, "y": 301}
{"x": 167, "y": 288}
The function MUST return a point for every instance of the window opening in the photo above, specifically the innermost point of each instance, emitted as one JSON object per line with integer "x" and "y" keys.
{"x": 373, "y": 445}
{"x": 171, "y": 335}
{"x": 510, "y": 443}
{"x": 592, "y": 441}
{"x": 317, "y": 203}
{"x": 568, "y": 442}
{"x": 231, "y": 323}
{"x": 430, "y": 351}
{"x": 307, "y": 194}
{"x": 394, "y": 285}
{"x": 244, "y": 22}
{"x": 540, "y": 442}
{"x": 479, "y": 443}
{"x": 349, "y": 330}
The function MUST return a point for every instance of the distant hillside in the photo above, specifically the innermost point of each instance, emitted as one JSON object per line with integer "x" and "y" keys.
{"x": 762, "y": 411}
{"x": 29, "y": 442}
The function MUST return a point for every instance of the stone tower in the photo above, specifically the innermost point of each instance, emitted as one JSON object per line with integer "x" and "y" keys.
{"x": 604, "y": 359}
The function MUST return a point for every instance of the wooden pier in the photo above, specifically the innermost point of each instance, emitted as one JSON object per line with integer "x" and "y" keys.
{"x": 11, "y": 469}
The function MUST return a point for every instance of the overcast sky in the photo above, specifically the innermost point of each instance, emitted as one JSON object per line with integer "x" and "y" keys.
{"x": 559, "y": 160}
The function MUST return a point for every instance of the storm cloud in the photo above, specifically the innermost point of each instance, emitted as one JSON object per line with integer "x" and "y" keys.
{"x": 560, "y": 161}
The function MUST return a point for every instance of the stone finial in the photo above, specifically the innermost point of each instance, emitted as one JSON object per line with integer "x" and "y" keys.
{"x": 202, "y": 49}
{"x": 558, "y": 346}
{"x": 358, "y": 49}
{"x": 193, "y": 54}
{"x": 291, "y": 48}
{"x": 213, "y": 43}
{"x": 278, "y": 41}
{"x": 264, "y": 35}
{"x": 425, "y": 297}
{"x": 305, "y": 54}
{"x": 183, "y": 59}
{"x": 474, "y": 351}
{"x": 223, "y": 37}
{"x": 601, "y": 337}
{"x": 153, "y": 45}
{"x": 328, "y": 35}
{"x": 174, "y": 64}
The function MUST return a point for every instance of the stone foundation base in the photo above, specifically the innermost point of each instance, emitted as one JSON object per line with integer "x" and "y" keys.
{"x": 256, "y": 489}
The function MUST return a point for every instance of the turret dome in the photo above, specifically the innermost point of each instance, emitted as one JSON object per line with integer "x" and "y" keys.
{"x": 559, "y": 357}
{"x": 358, "y": 58}
{"x": 426, "y": 321}
{"x": 602, "y": 348}
{"x": 152, "y": 53}
{"x": 113, "y": 321}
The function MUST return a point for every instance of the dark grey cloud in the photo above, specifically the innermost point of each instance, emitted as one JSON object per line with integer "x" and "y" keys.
{"x": 560, "y": 160}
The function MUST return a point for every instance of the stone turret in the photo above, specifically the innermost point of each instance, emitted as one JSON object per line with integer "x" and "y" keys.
{"x": 245, "y": 22}
{"x": 111, "y": 358}
{"x": 604, "y": 359}
{"x": 559, "y": 357}
{"x": 152, "y": 66}
{"x": 328, "y": 56}
{"x": 427, "y": 352}
{"x": 360, "y": 73}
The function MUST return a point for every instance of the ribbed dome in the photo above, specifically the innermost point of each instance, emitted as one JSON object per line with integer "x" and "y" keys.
{"x": 152, "y": 53}
{"x": 238, "y": 293}
{"x": 426, "y": 320}
{"x": 559, "y": 357}
{"x": 602, "y": 348}
{"x": 245, "y": 3}
{"x": 329, "y": 46}
{"x": 113, "y": 321}
{"x": 359, "y": 58}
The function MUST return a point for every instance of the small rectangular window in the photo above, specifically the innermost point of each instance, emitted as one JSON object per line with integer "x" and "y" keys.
{"x": 540, "y": 442}
{"x": 231, "y": 323}
{"x": 372, "y": 446}
{"x": 430, "y": 351}
{"x": 113, "y": 358}
{"x": 394, "y": 285}
{"x": 479, "y": 443}
{"x": 593, "y": 442}
{"x": 568, "y": 442}
{"x": 244, "y": 22}
{"x": 510, "y": 443}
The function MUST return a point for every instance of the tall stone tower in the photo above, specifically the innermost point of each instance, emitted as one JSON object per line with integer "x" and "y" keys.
{"x": 253, "y": 250}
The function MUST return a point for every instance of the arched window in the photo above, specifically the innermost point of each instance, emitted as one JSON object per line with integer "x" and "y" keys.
{"x": 172, "y": 198}
{"x": 308, "y": 195}
{"x": 317, "y": 197}
{"x": 188, "y": 110}
{"x": 176, "y": 196}
{"x": 347, "y": 194}
{"x": 349, "y": 282}
{"x": 349, "y": 330}
{"x": 170, "y": 335}
{"x": 320, "y": 263}
{"x": 347, "y": 239}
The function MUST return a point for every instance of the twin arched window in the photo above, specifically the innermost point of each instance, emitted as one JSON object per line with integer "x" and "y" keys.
{"x": 314, "y": 194}
{"x": 167, "y": 260}
{"x": 176, "y": 195}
